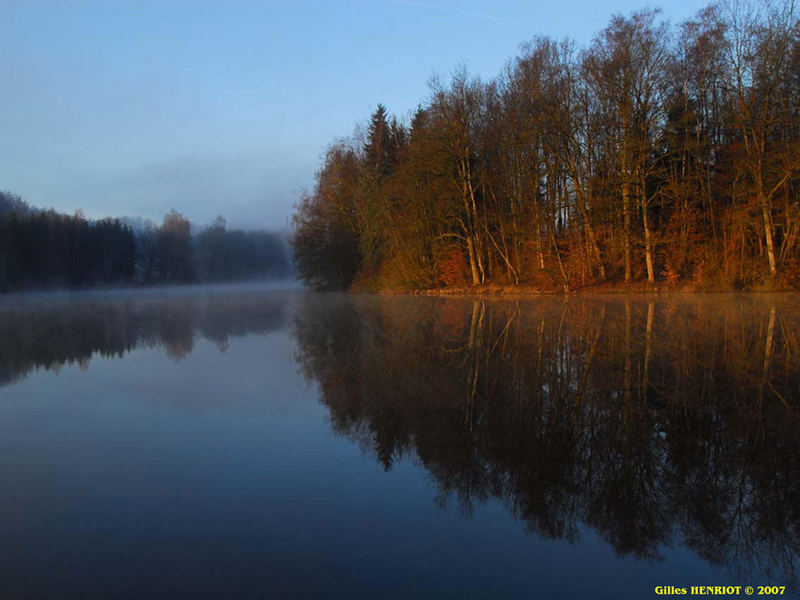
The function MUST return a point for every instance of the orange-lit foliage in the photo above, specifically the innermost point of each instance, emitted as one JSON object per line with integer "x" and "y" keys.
{"x": 682, "y": 247}
{"x": 651, "y": 156}
{"x": 452, "y": 267}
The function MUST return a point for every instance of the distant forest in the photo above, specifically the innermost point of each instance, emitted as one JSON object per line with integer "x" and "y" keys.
{"x": 41, "y": 249}
{"x": 657, "y": 154}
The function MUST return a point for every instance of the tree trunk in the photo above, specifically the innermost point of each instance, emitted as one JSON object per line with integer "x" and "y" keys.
{"x": 773, "y": 267}
{"x": 648, "y": 244}
{"x": 626, "y": 212}
{"x": 473, "y": 265}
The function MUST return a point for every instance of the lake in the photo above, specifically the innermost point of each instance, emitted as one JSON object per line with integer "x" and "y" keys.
{"x": 247, "y": 443}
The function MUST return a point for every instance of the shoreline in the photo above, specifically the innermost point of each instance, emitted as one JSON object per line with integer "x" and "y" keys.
{"x": 493, "y": 291}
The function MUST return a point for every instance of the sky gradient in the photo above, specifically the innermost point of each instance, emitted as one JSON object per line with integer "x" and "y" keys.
{"x": 134, "y": 108}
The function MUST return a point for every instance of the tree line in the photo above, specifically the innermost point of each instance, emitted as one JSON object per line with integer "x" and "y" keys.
{"x": 656, "y": 153}
{"x": 43, "y": 249}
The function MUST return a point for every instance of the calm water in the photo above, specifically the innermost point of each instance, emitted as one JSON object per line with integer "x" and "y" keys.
{"x": 257, "y": 444}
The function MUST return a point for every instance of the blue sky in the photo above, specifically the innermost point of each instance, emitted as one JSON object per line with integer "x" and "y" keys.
{"x": 133, "y": 108}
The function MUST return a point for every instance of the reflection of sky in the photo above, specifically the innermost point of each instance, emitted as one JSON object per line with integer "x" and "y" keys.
{"x": 208, "y": 107}
{"x": 219, "y": 474}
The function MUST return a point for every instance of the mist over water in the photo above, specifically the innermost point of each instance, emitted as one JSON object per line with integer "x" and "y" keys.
{"x": 245, "y": 442}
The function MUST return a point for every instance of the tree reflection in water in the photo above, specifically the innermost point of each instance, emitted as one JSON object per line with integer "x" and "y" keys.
{"x": 51, "y": 334}
{"x": 655, "y": 422}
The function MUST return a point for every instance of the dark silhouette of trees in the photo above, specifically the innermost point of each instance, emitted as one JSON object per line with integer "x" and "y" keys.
{"x": 655, "y": 154}
{"x": 224, "y": 255}
{"x": 11, "y": 203}
{"x": 44, "y": 249}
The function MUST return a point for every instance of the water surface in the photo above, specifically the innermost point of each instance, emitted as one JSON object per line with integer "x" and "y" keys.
{"x": 246, "y": 443}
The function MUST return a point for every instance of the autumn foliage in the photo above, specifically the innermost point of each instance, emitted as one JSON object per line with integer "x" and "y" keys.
{"x": 655, "y": 155}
